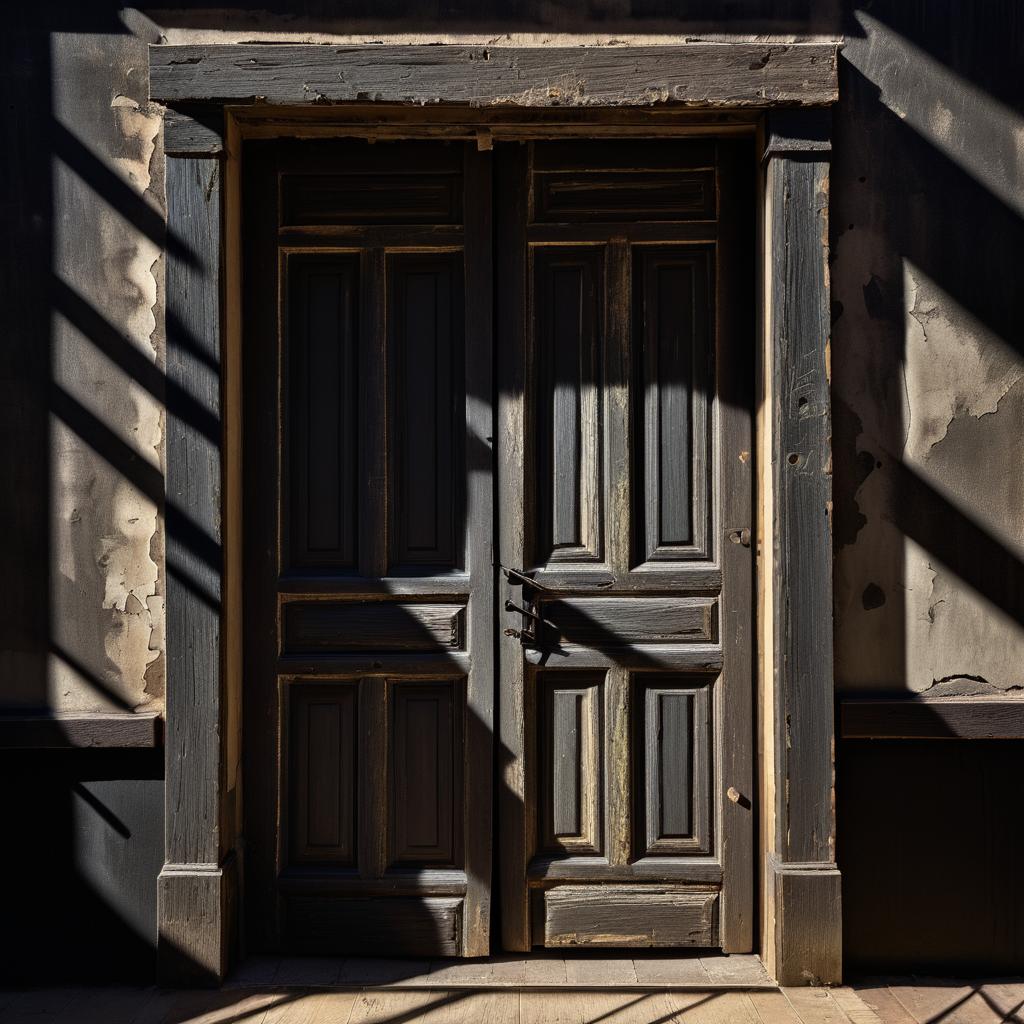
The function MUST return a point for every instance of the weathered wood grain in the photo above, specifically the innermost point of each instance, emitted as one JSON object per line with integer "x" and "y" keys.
{"x": 964, "y": 718}
{"x": 802, "y": 872}
{"x": 194, "y": 902}
{"x": 613, "y": 621}
{"x": 81, "y": 729}
{"x": 629, "y": 915}
{"x": 694, "y": 74}
{"x": 325, "y": 626}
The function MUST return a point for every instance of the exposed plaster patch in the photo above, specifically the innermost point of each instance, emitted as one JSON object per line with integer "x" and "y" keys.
{"x": 139, "y": 125}
{"x": 954, "y": 365}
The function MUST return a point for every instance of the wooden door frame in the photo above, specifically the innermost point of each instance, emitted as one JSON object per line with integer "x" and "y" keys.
{"x": 783, "y": 95}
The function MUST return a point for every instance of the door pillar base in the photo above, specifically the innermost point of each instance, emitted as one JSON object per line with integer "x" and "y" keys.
{"x": 808, "y": 939}
{"x": 196, "y": 912}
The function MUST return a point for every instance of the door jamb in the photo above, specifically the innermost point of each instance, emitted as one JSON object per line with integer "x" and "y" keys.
{"x": 198, "y": 887}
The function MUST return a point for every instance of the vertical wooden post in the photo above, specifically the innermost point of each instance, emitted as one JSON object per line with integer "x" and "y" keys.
{"x": 803, "y": 913}
{"x": 196, "y": 885}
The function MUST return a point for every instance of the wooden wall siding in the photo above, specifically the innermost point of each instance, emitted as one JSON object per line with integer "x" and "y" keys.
{"x": 567, "y": 349}
{"x": 322, "y": 413}
{"x": 425, "y": 411}
{"x": 426, "y": 760}
{"x": 322, "y": 758}
{"x": 324, "y": 627}
{"x": 394, "y": 603}
{"x": 673, "y": 735}
{"x": 674, "y": 361}
{"x": 571, "y": 754}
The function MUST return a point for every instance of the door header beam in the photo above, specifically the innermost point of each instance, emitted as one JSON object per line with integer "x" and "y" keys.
{"x": 741, "y": 74}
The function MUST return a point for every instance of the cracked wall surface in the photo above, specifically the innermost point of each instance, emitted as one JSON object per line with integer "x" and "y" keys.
{"x": 106, "y": 612}
{"x": 928, "y": 365}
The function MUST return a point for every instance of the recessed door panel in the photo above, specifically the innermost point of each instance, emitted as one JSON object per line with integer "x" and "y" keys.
{"x": 322, "y": 415}
{"x": 567, "y": 351}
{"x": 426, "y": 412}
{"x": 570, "y": 739}
{"x": 426, "y": 767}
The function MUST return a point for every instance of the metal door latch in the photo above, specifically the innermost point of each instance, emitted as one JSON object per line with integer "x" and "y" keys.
{"x": 740, "y": 536}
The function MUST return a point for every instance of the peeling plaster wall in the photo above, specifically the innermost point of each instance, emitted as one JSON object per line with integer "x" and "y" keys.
{"x": 107, "y": 350}
{"x": 927, "y": 352}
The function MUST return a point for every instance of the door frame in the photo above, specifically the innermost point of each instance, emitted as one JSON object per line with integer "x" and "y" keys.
{"x": 780, "y": 94}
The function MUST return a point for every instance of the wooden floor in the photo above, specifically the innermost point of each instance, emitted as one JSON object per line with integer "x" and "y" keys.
{"x": 536, "y": 970}
{"x": 901, "y": 1001}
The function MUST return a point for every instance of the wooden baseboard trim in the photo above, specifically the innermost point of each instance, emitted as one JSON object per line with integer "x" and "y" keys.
{"x": 79, "y": 730}
{"x": 935, "y": 718}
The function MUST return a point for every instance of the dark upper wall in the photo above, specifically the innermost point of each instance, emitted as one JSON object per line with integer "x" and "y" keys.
{"x": 926, "y": 212}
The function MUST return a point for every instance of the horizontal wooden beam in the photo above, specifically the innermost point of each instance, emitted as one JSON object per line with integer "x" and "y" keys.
{"x": 77, "y": 730}
{"x": 945, "y": 718}
{"x": 693, "y": 74}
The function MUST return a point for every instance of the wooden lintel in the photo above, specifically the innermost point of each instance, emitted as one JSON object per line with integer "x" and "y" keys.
{"x": 937, "y": 718}
{"x": 741, "y": 74}
{"x": 56, "y": 730}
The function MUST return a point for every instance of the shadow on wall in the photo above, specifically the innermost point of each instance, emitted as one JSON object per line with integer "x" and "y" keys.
{"x": 928, "y": 408}
{"x": 926, "y": 195}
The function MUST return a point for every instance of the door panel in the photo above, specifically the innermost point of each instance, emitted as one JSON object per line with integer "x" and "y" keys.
{"x": 626, "y": 668}
{"x": 368, "y": 678}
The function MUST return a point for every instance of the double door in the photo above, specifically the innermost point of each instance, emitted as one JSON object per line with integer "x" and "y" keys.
{"x": 497, "y": 432}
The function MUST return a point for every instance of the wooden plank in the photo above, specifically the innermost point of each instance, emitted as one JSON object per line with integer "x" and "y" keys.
{"x": 735, "y": 372}
{"x": 514, "y": 809}
{"x": 636, "y": 915}
{"x": 600, "y": 971}
{"x": 396, "y": 925}
{"x": 194, "y": 554}
{"x": 376, "y": 972}
{"x": 81, "y": 729}
{"x": 773, "y": 1008}
{"x": 698, "y": 870}
{"x": 705, "y": 74}
{"x": 884, "y": 1003}
{"x": 962, "y": 718}
{"x": 194, "y": 130}
{"x": 613, "y": 621}
{"x": 737, "y": 969}
{"x": 478, "y": 824}
{"x": 312, "y": 1008}
{"x": 807, "y": 934}
{"x": 675, "y": 970}
{"x": 326, "y": 626}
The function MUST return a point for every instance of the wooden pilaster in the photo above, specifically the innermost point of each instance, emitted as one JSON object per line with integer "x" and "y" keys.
{"x": 802, "y": 883}
{"x": 197, "y": 882}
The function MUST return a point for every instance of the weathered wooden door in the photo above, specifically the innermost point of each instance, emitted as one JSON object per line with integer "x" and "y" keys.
{"x": 623, "y": 446}
{"x": 624, "y": 436}
{"x": 368, "y": 680}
